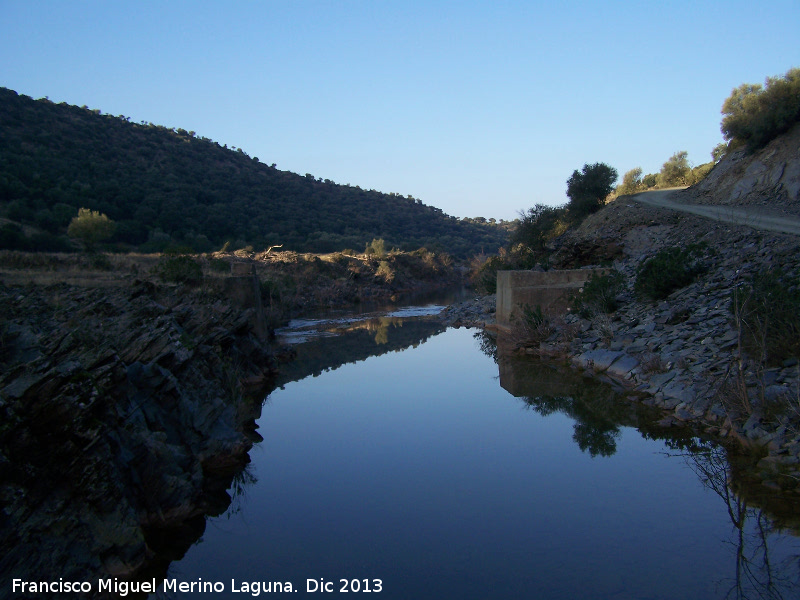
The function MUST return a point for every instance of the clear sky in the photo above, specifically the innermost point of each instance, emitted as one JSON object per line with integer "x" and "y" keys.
{"x": 478, "y": 108}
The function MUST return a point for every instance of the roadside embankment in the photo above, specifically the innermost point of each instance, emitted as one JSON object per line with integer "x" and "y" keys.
{"x": 687, "y": 353}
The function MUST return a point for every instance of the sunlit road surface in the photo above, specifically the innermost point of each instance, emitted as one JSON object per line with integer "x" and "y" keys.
{"x": 750, "y": 217}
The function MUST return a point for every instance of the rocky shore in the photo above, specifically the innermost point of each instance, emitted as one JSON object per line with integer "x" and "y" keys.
{"x": 128, "y": 399}
{"x": 683, "y": 354}
{"x": 122, "y": 418}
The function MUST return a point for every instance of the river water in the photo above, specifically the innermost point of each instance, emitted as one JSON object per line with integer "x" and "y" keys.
{"x": 406, "y": 460}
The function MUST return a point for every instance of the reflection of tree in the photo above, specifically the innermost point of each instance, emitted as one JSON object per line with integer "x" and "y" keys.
{"x": 596, "y": 440}
{"x": 593, "y": 432}
{"x": 759, "y": 573}
{"x": 356, "y": 343}
{"x": 487, "y": 343}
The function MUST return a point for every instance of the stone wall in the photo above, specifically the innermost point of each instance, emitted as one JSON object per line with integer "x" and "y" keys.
{"x": 550, "y": 290}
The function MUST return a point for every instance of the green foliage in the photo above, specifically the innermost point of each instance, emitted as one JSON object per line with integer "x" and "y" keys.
{"x": 538, "y": 226}
{"x": 587, "y": 189}
{"x": 532, "y": 316}
{"x": 179, "y": 268}
{"x": 385, "y": 271}
{"x": 219, "y": 265}
{"x": 719, "y": 152}
{"x": 649, "y": 181}
{"x": 377, "y": 247}
{"x": 164, "y": 186}
{"x": 675, "y": 171}
{"x": 755, "y": 115}
{"x": 599, "y": 294}
{"x": 91, "y": 227}
{"x": 485, "y": 275}
{"x": 700, "y": 172}
{"x": 631, "y": 182}
{"x": 669, "y": 270}
{"x": 768, "y": 312}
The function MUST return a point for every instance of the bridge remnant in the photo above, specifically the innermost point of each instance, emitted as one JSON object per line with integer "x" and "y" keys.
{"x": 550, "y": 290}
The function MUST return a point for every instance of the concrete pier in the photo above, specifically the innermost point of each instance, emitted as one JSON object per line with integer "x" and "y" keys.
{"x": 550, "y": 290}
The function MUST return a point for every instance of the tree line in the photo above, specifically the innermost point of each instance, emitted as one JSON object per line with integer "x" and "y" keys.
{"x": 166, "y": 187}
{"x": 753, "y": 115}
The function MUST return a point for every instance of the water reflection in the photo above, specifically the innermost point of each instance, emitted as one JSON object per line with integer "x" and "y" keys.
{"x": 766, "y": 563}
{"x": 328, "y": 342}
{"x": 763, "y": 569}
{"x": 597, "y": 410}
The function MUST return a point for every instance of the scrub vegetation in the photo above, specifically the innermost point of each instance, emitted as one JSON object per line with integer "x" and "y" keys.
{"x": 166, "y": 188}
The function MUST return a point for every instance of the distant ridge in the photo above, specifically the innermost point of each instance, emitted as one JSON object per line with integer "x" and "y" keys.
{"x": 168, "y": 187}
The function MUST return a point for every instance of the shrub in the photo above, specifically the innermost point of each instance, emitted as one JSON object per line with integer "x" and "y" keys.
{"x": 599, "y": 295}
{"x": 179, "y": 269}
{"x": 91, "y": 227}
{"x": 767, "y": 311}
{"x": 485, "y": 277}
{"x": 376, "y": 247}
{"x": 675, "y": 171}
{"x": 631, "y": 182}
{"x": 219, "y": 265}
{"x": 669, "y": 270}
{"x": 538, "y": 226}
{"x": 385, "y": 271}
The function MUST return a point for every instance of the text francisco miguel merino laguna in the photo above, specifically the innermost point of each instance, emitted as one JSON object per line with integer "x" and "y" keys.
{"x": 254, "y": 588}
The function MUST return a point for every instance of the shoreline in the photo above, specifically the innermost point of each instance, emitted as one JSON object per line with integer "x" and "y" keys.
{"x": 626, "y": 352}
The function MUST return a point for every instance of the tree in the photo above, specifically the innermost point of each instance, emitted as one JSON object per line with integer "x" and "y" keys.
{"x": 755, "y": 115}
{"x": 675, "y": 171}
{"x": 538, "y": 226}
{"x": 631, "y": 181}
{"x": 719, "y": 152}
{"x": 91, "y": 227}
{"x": 588, "y": 189}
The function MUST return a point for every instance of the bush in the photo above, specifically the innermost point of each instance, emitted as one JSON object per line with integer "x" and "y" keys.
{"x": 219, "y": 265}
{"x": 631, "y": 182}
{"x": 538, "y": 226}
{"x": 91, "y": 227}
{"x": 179, "y": 269}
{"x": 376, "y": 247}
{"x": 675, "y": 171}
{"x": 669, "y": 270}
{"x": 485, "y": 277}
{"x": 599, "y": 295}
{"x": 767, "y": 311}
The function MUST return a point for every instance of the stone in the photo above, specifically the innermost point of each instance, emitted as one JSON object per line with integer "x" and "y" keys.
{"x": 597, "y": 360}
{"x": 622, "y": 366}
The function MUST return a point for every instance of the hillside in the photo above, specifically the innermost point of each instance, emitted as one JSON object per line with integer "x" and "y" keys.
{"x": 701, "y": 317}
{"x": 768, "y": 179}
{"x": 171, "y": 187}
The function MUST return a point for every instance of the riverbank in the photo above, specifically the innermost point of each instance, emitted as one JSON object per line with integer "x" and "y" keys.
{"x": 684, "y": 354}
{"x": 129, "y": 388}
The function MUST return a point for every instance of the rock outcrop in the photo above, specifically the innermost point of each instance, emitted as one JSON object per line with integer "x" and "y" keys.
{"x": 122, "y": 418}
{"x": 769, "y": 178}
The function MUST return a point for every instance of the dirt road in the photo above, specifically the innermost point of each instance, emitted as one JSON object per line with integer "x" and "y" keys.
{"x": 740, "y": 215}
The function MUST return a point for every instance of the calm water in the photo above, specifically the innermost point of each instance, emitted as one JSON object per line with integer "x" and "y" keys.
{"x": 443, "y": 475}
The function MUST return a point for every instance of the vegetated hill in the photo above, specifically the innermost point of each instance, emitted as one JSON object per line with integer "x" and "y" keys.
{"x": 167, "y": 187}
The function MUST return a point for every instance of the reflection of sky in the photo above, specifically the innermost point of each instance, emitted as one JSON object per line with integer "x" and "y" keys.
{"x": 417, "y": 468}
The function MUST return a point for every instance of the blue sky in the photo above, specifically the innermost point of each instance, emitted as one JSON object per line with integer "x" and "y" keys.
{"x": 478, "y": 108}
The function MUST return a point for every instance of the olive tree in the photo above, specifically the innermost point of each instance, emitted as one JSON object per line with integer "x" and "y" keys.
{"x": 675, "y": 171}
{"x": 631, "y": 181}
{"x": 91, "y": 227}
{"x": 588, "y": 188}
